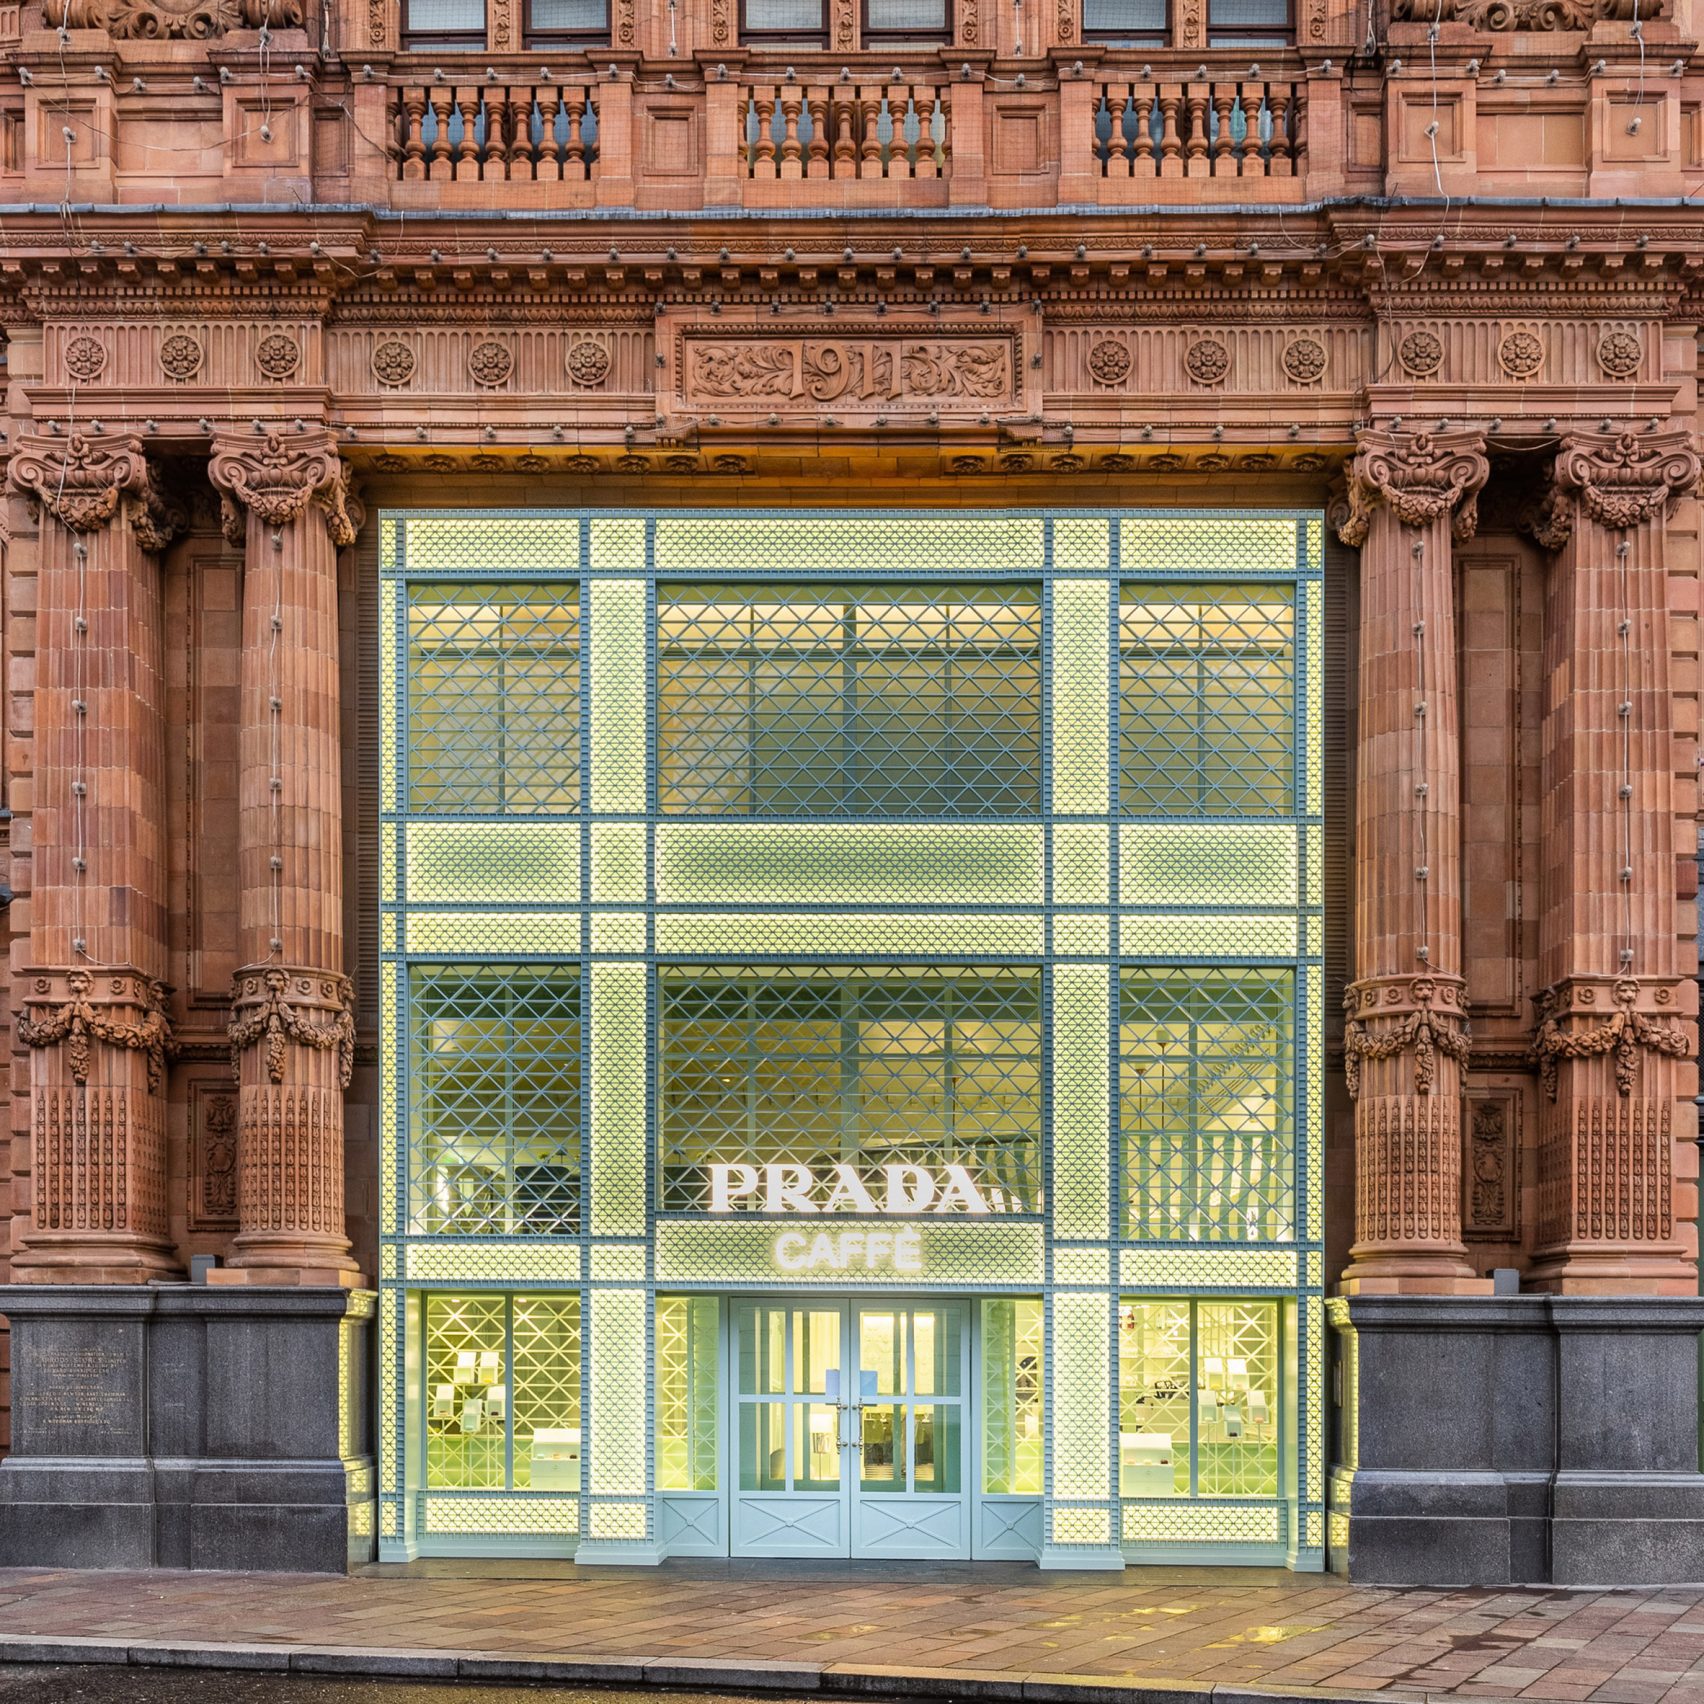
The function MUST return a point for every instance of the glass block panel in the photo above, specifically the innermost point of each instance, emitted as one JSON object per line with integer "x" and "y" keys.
{"x": 781, "y": 1085}
{"x": 1081, "y": 542}
{"x": 1081, "y": 1343}
{"x": 494, "y": 1098}
{"x": 838, "y": 544}
{"x": 486, "y": 863}
{"x": 494, "y": 697}
{"x": 1203, "y": 1523}
{"x": 1081, "y": 937}
{"x": 1081, "y": 709}
{"x": 620, "y": 1377}
{"x": 929, "y": 1253}
{"x": 1082, "y": 864}
{"x": 1207, "y": 699}
{"x": 689, "y": 1393}
{"x": 1206, "y": 1061}
{"x": 1188, "y": 1267}
{"x": 1013, "y": 1418}
{"x": 619, "y": 861}
{"x": 618, "y": 1071}
{"x": 538, "y": 933}
{"x": 520, "y": 544}
{"x": 617, "y": 543}
{"x": 492, "y": 1261}
{"x": 1230, "y": 544}
{"x": 1175, "y": 864}
{"x": 849, "y": 700}
{"x": 843, "y": 934}
{"x": 618, "y": 673}
{"x": 619, "y": 932}
{"x": 1082, "y": 1159}
{"x": 848, "y": 863}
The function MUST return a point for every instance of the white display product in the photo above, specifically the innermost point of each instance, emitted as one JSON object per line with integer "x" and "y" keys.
{"x": 556, "y": 1458}
{"x": 444, "y": 1402}
{"x": 1258, "y": 1413}
{"x": 1145, "y": 1467}
{"x": 472, "y": 1415}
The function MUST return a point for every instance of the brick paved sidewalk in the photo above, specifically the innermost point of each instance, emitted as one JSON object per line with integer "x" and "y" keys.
{"x": 1002, "y": 1631}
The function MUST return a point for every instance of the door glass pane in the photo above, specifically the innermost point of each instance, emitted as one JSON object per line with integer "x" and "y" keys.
{"x": 816, "y": 1447}
{"x": 1236, "y": 1380}
{"x": 883, "y": 1437}
{"x": 881, "y": 1351}
{"x": 935, "y": 1447}
{"x": 1153, "y": 1399}
{"x": 816, "y": 1351}
{"x": 688, "y": 1393}
{"x": 763, "y": 1446}
{"x": 1012, "y": 1396}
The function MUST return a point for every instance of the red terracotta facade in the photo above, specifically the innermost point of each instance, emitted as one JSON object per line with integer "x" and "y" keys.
{"x": 267, "y": 271}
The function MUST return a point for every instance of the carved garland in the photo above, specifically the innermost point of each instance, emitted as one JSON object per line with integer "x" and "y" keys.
{"x": 78, "y": 1022}
{"x": 1429, "y": 1033}
{"x": 1624, "y": 1033}
{"x": 276, "y": 1019}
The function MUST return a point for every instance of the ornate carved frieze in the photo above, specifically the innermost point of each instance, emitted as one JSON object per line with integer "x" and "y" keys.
{"x": 1589, "y": 1017}
{"x": 1491, "y": 1192}
{"x": 1499, "y": 15}
{"x": 1419, "y": 476}
{"x": 1629, "y": 479}
{"x": 212, "y": 1170}
{"x": 85, "y": 479}
{"x": 277, "y": 477}
{"x": 189, "y": 20}
{"x": 274, "y": 1006}
{"x": 126, "y": 1012}
{"x": 831, "y": 370}
{"x": 1391, "y": 1015}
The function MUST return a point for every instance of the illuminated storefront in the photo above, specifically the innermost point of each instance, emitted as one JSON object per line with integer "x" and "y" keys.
{"x": 852, "y": 1016}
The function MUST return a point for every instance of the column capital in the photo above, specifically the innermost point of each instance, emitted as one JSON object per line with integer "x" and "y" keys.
{"x": 1582, "y": 1017}
{"x": 1419, "y": 476}
{"x": 273, "y": 1004}
{"x": 1390, "y": 1014}
{"x": 1620, "y": 482}
{"x": 127, "y": 1012}
{"x": 85, "y": 479}
{"x": 277, "y": 476}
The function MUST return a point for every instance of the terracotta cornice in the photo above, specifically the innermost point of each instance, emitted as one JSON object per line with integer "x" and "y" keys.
{"x": 276, "y": 476}
{"x": 1419, "y": 476}
{"x": 84, "y": 480}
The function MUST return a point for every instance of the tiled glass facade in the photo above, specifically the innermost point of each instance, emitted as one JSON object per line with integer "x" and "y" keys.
{"x": 852, "y": 1009}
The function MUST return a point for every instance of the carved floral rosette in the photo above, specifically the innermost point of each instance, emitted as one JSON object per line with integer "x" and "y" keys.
{"x": 1623, "y": 1018}
{"x": 1392, "y": 1015}
{"x": 277, "y": 476}
{"x": 84, "y": 1010}
{"x": 85, "y": 480}
{"x": 1625, "y": 481}
{"x": 1420, "y": 477}
{"x": 275, "y": 1006}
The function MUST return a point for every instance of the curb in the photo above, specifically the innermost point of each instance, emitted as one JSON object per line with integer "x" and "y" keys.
{"x": 842, "y": 1680}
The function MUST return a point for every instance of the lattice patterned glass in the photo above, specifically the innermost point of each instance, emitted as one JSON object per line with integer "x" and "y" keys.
{"x": 1080, "y": 711}
{"x": 1207, "y": 699}
{"x": 1082, "y": 1162}
{"x": 849, "y": 700}
{"x": 1013, "y": 1417}
{"x": 771, "y": 1070}
{"x": 1206, "y": 1058}
{"x": 688, "y": 1392}
{"x": 494, "y": 1098}
{"x": 502, "y": 1398}
{"x": 1080, "y": 1448}
{"x": 494, "y": 697}
{"x": 1154, "y": 1385}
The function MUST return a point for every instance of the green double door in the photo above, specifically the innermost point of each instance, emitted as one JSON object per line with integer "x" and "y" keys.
{"x": 851, "y": 1426}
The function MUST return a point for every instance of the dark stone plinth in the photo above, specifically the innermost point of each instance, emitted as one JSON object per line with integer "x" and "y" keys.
{"x": 186, "y": 1426}
{"x": 1499, "y": 1440}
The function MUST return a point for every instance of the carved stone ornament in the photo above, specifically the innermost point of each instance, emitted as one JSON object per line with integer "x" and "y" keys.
{"x": 1419, "y": 476}
{"x": 278, "y": 356}
{"x": 272, "y": 1009}
{"x": 83, "y": 480}
{"x": 1417, "y": 1025}
{"x": 1624, "y": 1033}
{"x": 85, "y": 358}
{"x": 1630, "y": 479}
{"x": 1109, "y": 362}
{"x": 721, "y": 24}
{"x": 393, "y": 362}
{"x": 79, "y": 1022}
{"x": 490, "y": 363}
{"x": 1543, "y": 15}
{"x": 588, "y": 362}
{"x": 1520, "y": 355}
{"x": 180, "y": 356}
{"x": 1207, "y": 361}
{"x": 1304, "y": 360}
{"x": 1421, "y": 353}
{"x": 1619, "y": 354}
{"x": 276, "y": 478}
{"x": 969, "y": 24}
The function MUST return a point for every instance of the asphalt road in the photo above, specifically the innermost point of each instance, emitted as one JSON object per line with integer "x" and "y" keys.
{"x": 39, "y": 1683}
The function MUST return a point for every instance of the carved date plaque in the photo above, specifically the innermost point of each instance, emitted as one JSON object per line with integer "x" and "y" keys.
{"x": 851, "y": 371}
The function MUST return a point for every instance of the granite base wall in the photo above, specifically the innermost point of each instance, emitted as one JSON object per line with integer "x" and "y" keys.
{"x": 188, "y": 1426}
{"x": 1517, "y": 1440}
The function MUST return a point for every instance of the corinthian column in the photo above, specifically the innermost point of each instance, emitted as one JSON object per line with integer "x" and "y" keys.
{"x": 1405, "y": 1044}
{"x": 1614, "y": 1040}
{"x": 93, "y": 1015}
{"x": 292, "y": 1025}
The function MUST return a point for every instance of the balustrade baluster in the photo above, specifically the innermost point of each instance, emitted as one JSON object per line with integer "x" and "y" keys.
{"x": 523, "y": 156}
{"x": 1279, "y": 161}
{"x": 1171, "y": 145}
{"x": 845, "y": 136}
{"x": 469, "y": 153}
{"x": 925, "y": 165}
{"x": 763, "y": 164}
{"x": 816, "y": 162}
{"x": 792, "y": 149}
{"x": 1251, "y": 157}
{"x": 549, "y": 147}
{"x": 1200, "y": 131}
{"x": 1142, "y": 162}
{"x": 574, "y": 164}
{"x": 443, "y": 110}
{"x": 413, "y": 144}
{"x": 870, "y": 155}
{"x": 1224, "y": 104}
